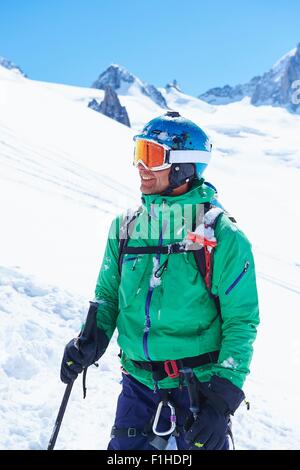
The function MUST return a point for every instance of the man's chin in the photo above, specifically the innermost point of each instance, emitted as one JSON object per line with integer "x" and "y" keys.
{"x": 147, "y": 190}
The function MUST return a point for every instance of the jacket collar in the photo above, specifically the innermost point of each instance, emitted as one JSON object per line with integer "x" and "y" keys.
{"x": 198, "y": 194}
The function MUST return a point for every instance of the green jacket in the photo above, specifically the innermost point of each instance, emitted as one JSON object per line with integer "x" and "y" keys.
{"x": 173, "y": 316}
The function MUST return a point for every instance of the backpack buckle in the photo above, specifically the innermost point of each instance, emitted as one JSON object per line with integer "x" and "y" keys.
{"x": 131, "y": 432}
{"x": 171, "y": 369}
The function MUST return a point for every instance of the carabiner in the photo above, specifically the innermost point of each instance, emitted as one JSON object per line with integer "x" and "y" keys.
{"x": 157, "y": 416}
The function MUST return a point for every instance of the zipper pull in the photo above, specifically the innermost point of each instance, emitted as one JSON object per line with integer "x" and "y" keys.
{"x": 236, "y": 281}
{"x": 133, "y": 264}
{"x": 160, "y": 270}
{"x": 246, "y": 266}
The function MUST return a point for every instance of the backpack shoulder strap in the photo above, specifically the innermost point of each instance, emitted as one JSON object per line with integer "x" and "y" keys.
{"x": 204, "y": 256}
{"x": 125, "y": 230}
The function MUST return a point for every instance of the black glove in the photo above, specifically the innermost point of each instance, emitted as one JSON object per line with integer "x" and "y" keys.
{"x": 208, "y": 431}
{"x": 83, "y": 351}
{"x": 220, "y": 398}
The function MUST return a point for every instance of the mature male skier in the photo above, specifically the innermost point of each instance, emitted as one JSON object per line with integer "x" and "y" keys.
{"x": 178, "y": 283}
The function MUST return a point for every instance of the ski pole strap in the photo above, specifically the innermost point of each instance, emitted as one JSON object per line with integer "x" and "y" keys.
{"x": 162, "y": 369}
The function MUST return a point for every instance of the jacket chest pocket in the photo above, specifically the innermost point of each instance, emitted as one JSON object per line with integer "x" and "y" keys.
{"x": 133, "y": 271}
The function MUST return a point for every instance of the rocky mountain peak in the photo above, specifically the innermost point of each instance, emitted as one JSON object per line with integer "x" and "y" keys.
{"x": 275, "y": 87}
{"x": 125, "y": 83}
{"x": 8, "y": 64}
{"x": 113, "y": 77}
{"x": 111, "y": 107}
{"x": 173, "y": 84}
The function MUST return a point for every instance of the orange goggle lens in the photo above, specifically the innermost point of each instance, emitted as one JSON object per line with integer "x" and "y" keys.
{"x": 153, "y": 155}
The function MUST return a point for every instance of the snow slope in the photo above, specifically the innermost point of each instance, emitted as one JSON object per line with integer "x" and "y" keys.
{"x": 36, "y": 318}
{"x": 58, "y": 180}
{"x": 65, "y": 171}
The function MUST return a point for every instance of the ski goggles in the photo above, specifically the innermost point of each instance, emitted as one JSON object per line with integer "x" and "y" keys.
{"x": 159, "y": 157}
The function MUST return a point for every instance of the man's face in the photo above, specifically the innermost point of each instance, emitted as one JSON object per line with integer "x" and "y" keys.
{"x": 153, "y": 182}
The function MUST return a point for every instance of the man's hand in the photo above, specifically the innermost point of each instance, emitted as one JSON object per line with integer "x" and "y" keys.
{"x": 208, "y": 432}
{"x": 220, "y": 399}
{"x": 73, "y": 362}
{"x": 85, "y": 350}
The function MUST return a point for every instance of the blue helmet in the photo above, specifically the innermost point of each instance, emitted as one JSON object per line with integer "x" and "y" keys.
{"x": 178, "y": 133}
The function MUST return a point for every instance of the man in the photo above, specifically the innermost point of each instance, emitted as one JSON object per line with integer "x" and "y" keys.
{"x": 178, "y": 282}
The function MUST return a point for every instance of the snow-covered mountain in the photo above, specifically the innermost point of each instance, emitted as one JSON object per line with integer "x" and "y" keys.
{"x": 274, "y": 88}
{"x": 173, "y": 84}
{"x": 230, "y": 94}
{"x": 8, "y": 64}
{"x": 111, "y": 107}
{"x": 65, "y": 172}
{"x": 125, "y": 83}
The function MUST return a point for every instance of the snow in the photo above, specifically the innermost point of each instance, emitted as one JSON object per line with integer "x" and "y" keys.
{"x": 230, "y": 363}
{"x": 154, "y": 280}
{"x": 176, "y": 99}
{"x": 209, "y": 219}
{"x": 65, "y": 172}
{"x": 11, "y": 67}
{"x": 35, "y": 319}
{"x": 277, "y": 67}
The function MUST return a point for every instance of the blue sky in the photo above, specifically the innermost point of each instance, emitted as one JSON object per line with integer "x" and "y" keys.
{"x": 200, "y": 43}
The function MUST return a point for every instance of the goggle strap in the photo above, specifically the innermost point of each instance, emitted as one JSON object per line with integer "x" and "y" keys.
{"x": 188, "y": 156}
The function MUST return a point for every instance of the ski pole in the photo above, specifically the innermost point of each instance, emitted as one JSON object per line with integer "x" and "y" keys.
{"x": 60, "y": 416}
{"x": 85, "y": 335}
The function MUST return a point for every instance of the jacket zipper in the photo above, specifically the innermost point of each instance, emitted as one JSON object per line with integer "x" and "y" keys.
{"x": 148, "y": 324}
{"x": 133, "y": 258}
{"x": 237, "y": 280}
{"x": 147, "y": 305}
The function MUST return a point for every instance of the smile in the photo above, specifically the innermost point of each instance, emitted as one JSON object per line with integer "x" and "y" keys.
{"x": 146, "y": 178}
